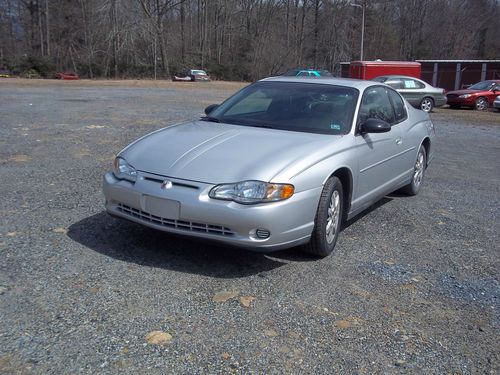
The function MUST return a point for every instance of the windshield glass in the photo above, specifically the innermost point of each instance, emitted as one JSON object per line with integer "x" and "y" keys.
{"x": 304, "y": 107}
{"x": 485, "y": 85}
{"x": 199, "y": 72}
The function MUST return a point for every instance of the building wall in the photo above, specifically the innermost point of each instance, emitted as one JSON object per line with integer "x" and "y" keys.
{"x": 455, "y": 75}
{"x": 451, "y": 74}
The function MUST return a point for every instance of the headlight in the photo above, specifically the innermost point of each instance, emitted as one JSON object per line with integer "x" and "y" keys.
{"x": 464, "y": 96}
{"x": 250, "y": 192}
{"x": 123, "y": 170}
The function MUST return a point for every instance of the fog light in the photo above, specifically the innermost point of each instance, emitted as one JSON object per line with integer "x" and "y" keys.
{"x": 262, "y": 233}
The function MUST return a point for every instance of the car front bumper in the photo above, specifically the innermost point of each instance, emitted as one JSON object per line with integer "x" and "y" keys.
{"x": 470, "y": 102}
{"x": 187, "y": 209}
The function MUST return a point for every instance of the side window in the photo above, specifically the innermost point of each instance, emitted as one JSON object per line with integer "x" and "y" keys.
{"x": 376, "y": 104}
{"x": 303, "y": 74}
{"x": 395, "y": 83}
{"x": 399, "y": 106}
{"x": 412, "y": 84}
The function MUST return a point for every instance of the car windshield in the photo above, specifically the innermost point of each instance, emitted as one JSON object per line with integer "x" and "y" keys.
{"x": 485, "y": 85}
{"x": 293, "y": 106}
{"x": 199, "y": 72}
{"x": 380, "y": 79}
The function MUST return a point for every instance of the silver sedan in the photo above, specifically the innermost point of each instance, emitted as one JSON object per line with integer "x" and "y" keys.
{"x": 496, "y": 103}
{"x": 283, "y": 162}
{"x": 419, "y": 94}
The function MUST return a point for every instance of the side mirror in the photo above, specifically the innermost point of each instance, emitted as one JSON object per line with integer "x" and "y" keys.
{"x": 210, "y": 108}
{"x": 375, "y": 125}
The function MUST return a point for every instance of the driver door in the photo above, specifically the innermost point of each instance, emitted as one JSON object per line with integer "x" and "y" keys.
{"x": 379, "y": 161}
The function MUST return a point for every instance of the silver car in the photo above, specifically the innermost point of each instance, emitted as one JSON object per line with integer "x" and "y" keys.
{"x": 496, "y": 103}
{"x": 418, "y": 93}
{"x": 281, "y": 163}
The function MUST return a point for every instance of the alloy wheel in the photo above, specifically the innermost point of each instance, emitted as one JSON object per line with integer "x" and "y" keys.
{"x": 426, "y": 105}
{"x": 481, "y": 104}
{"x": 333, "y": 217}
{"x": 418, "y": 173}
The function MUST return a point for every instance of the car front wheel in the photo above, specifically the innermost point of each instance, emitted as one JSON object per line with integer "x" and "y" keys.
{"x": 427, "y": 104}
{"x": 418, "y": 173}
{"x": 481, "y": 104}
{"x": 328, "y": 219}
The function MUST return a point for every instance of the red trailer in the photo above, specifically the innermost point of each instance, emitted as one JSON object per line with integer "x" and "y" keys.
{"x": 372, "y": 69}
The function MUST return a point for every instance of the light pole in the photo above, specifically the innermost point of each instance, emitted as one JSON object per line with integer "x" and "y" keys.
{"x": 362, "y": 27}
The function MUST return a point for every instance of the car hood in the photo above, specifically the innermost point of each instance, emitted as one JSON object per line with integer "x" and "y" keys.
{"x": 217, "y": 153}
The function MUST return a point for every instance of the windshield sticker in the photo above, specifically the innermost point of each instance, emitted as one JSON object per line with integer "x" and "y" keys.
{"x": 335, "y": 126}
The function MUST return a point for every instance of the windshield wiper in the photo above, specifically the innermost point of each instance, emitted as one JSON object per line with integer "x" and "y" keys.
{"x": 262, "y": 126}
{"x": 211, "y": 119}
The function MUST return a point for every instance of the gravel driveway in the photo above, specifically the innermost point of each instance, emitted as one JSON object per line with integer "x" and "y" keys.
{"x": 413, "y": 288}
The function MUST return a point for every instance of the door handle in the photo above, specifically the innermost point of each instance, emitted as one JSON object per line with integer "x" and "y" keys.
{"x": 398, "y": 141}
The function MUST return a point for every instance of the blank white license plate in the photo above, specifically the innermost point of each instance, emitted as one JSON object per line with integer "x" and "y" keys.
{"x": 166, "y": 208}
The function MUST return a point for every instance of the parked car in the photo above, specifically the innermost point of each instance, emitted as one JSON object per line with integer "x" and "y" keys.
{"x": 418, "y": 93}
{"x": 307, "y": 73}
{"x": 281, "y": 163}
{"x": 479, "y": 96}
{"x": 4, "y": 73}
{"x": 496, "y": 103}
{"x": 67, "y": 75}
{"x": 192, "y": 75}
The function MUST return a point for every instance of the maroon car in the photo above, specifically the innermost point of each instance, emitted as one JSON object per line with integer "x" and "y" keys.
{"x": 67, "y": 75}
{"x": 480, "y": 96}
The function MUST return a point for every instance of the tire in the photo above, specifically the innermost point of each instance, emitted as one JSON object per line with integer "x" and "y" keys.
{"x": 481, "y": 104}
{"x": 418, "y": 173}
{"x": 328, "y": 219}
{"x": 427, "y": 104}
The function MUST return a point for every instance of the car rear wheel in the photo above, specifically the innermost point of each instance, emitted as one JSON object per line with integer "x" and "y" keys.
{"x": 328, "y": 219}
{"x": 427, "y": 104}
{"x": 418, "y": 173}
{"x": 481, "y": 104}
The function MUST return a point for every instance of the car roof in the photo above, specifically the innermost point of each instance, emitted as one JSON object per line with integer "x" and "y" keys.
{"x": 398, "y": 76}
{"x": 349, "y": 82}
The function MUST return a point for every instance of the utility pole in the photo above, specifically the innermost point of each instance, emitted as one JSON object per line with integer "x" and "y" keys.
{"x": 363, "y": 7}
{"x": 47, "y": 28}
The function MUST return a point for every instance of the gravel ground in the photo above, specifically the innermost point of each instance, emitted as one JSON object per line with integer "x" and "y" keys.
{"x": 413, "y": 288}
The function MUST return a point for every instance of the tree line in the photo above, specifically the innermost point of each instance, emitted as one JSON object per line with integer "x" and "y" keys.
{"x": 236, "y": 39}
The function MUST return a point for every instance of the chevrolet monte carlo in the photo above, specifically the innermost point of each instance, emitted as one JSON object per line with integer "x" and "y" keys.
{"x": 281, "y": 163}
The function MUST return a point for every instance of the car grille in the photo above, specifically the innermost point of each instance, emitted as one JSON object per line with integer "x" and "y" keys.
{"x": 452, "y": 96}
{"x": 175, "y": 224}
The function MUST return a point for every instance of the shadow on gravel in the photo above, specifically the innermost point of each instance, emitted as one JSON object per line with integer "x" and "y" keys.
{"x": 372, "y": 208}
{"x": 134, "y": 243}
